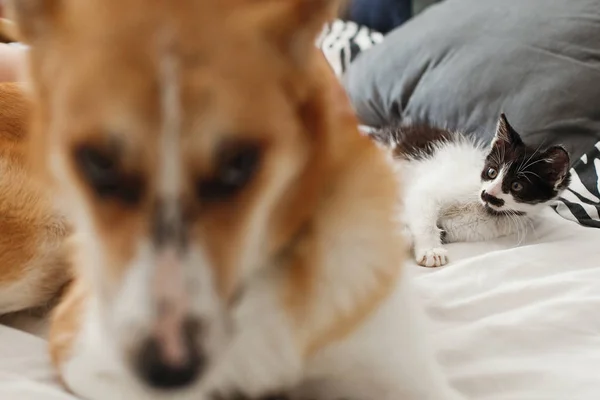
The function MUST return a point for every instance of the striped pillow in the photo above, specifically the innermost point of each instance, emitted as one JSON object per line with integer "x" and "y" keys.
{"x": 341, "y": 41}
{"x": 581, "y": 201}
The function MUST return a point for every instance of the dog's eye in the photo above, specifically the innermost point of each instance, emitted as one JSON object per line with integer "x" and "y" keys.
{"x": 98, "y": 168}
{"x": 101, "y": 171}
{"x": 236, "y": 167}
{"x": 516, "y": 187}
{"x": 492, "y": 173}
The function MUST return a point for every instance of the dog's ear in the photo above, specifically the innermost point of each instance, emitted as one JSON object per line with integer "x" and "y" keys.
{"x": 33, "y": 18}
{"x": 294, "y": 25}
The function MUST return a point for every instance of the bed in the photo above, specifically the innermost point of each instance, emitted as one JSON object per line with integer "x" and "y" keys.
{"x": 519, "y": 321}
{"x": 510, "y": 321}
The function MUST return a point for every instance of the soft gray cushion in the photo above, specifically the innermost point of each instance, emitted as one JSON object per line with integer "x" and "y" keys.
{"x": 462, "y": 62}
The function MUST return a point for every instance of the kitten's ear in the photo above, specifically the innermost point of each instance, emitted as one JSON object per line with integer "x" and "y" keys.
{"x": 505, "y": 133}
{"x": 293, "y": 25}
{"x": 558, "y": 162}
{"x": 33, "y": 18}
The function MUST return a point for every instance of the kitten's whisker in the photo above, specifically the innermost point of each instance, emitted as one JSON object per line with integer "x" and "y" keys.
{"x": 520, "y": 232}
{"x": 524, "y": 176}
{"x": 493, "y": 154}
{"x": 533, "y": 163}
{"x": 511, "y": 223}
{"x": 532, "y": 226}
{"x": 523, "y": 229}
{"x": 531, "y": 156}
{"x": 506, "y": 168}
{"x": 530, "y": 172}
{"x": 517, "y": 227}
{"x": 520, "y": 229}
{"x": 498, "y": 157}
{"x": 494, "y": 157}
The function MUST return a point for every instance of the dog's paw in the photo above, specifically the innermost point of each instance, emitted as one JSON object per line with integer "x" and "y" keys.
{"x": 435, "y": 257}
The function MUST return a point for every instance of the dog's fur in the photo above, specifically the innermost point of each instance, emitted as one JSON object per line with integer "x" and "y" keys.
{"x": 292, "y": 281}
{"x": 33, "y": 253}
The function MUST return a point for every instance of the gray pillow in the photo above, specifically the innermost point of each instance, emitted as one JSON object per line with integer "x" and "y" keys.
{"x": 462, "y": 62}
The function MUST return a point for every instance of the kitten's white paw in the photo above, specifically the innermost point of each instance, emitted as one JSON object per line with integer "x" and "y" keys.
{"x": 431, "y": 258}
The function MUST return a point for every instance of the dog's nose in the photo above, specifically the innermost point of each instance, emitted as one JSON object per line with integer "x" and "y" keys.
{"x": 158, "y": 370}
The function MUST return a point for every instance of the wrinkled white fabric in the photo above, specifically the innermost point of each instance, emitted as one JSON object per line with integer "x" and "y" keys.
{"x": 25, "y": 371}
{"x": 520, "y": 323}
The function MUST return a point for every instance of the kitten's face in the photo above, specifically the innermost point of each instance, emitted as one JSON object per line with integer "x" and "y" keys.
{"x": 519, "y": 179}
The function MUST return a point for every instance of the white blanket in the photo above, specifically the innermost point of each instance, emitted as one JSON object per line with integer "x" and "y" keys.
{"x": 25, "y": 372}
{"x": 510, "y": 323}
{"x": 520, "y": 323}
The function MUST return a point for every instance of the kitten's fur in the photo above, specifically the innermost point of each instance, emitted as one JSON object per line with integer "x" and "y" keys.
{"x": 459, "y": 190}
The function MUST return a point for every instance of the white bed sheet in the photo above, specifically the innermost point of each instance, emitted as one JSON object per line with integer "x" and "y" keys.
{"x": 25, "y": 372}
{"x": 509, "y": 323}
{"x": 520, "y": 323}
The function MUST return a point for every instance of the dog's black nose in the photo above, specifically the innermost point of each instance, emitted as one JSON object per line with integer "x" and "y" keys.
{"x": 160, "y": 373}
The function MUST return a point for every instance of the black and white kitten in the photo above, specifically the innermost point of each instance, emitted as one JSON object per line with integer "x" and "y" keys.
{"x": 456, "y": 188}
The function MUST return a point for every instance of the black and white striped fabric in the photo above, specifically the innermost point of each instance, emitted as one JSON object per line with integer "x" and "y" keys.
{"x": 341, "y": 41}
{"x": 581, "y": 201}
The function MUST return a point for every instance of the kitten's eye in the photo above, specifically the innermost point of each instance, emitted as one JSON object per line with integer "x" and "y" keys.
{"x": 492, "y": 173}
{"x": 516, "y": 187}
{"x": 101, "y": 171}
{"x": 236, "y": 168}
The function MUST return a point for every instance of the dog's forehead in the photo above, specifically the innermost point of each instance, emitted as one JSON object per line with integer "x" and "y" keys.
{"x": 132, "y": 88}
{"x": 207, "y": 24}
{"x": 128, "y": 42}
{"x": 142, "y": 80}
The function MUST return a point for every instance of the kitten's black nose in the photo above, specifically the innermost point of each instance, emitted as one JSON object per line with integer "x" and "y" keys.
{"x": 157, "y": 371}
{"x": 493, "y": 200}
